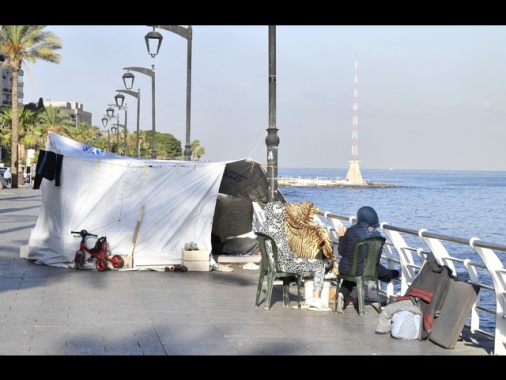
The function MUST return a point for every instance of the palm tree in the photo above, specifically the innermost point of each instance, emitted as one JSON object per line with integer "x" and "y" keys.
{"x": 197, "y": 150}
{"x": 53, "y": 120}
{"x": 20, "y": 44}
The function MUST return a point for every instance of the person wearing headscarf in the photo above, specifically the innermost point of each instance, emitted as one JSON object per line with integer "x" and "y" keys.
{"x": 366, "y": 227}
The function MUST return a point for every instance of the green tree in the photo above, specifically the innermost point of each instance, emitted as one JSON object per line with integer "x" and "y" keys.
{"x": 167, "y": 146}
{"x": 197, "y": 150}
{"x": 29, "y": 133}
{"x": 20, "y": 44}
{"x": 53, "y": 120}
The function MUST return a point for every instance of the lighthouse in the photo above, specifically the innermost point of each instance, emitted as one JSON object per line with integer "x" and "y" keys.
{"x": 354, "y": 176}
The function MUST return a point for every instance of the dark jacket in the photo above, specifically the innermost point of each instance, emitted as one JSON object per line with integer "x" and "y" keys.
{"x": 367, "y": 222}
{"x": 429, "y": 290}
{"x": 49, "y": 167}
{"x": 346, "y": 245}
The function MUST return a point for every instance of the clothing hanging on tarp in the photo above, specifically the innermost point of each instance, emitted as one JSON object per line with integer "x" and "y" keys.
{"x": 49, "y": 167}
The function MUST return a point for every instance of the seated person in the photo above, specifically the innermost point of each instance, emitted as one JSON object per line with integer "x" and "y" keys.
{"x": 289, "y": 260}
{"x": 367, "y": 222}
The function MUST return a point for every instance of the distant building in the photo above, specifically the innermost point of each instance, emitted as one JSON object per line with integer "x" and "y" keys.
{"x": 7, "y": 85}
{"x": 73, "y": 109}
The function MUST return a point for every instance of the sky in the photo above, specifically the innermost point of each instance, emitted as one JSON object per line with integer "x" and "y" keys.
{"x": 429, "y": 97}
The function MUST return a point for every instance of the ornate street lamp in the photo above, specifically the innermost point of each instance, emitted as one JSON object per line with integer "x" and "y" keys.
{"x": 124, "y": 108}
{"x": 135, "y": 95}
{"x": 105, "y": 120}
{"x": 120, "y": 99}
{"x": 128, "y": 79}
{"x": 110, "y": 115}
{"x": 153, "y": 42}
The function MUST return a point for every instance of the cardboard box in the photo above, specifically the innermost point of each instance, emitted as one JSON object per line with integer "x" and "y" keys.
{"x": 196, "y": 261}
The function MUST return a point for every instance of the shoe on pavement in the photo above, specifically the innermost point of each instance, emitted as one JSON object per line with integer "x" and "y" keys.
{"x": 303, "y": 305}
{"x": 251, "y": 266}
{"x": 317, "y": 305}
{"x": 222, "y": 268}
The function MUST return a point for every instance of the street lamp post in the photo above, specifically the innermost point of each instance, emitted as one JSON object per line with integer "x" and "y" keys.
{"x": 120, "y": 99}
{"x": 110, "y": 115}
{"x": 272, "y": 139}
{"x": 150, "y": 73}
{"x": 154, "y": 36}
{"x": 138, "y": 96}
{"x": 105, "y": 120}
{"x": 116, "y": 128}
{"x": 111, "y": 112}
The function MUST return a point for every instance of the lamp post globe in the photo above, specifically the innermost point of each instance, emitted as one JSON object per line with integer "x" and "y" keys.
{"x": 120, "y": 99}
{"x": 153, "y": 42}
{"x": 128, "y": 80}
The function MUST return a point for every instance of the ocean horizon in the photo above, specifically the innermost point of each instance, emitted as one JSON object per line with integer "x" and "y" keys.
{"x": 458, "y": 203}
{"x": 461, "y": 203}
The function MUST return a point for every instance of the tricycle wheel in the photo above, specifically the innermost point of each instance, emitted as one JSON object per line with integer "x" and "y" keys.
{"x": 79, "y": 259}
{"x": 101, "y": 264}
{"x": 117, "y": 261}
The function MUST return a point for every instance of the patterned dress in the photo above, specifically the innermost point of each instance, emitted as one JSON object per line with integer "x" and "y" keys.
{"x": 289, "y": 261}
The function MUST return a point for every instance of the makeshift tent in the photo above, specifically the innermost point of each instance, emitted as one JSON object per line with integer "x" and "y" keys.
{"x": 104, "y": 193}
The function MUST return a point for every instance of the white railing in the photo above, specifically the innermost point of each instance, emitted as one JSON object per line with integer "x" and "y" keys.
{"x": 408, "y": 248}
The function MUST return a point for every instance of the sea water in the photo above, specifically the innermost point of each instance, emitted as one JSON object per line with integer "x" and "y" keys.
{"x": 462, "y": 204}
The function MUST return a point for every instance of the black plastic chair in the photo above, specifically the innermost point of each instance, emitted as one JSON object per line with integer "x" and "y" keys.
{"x": 269, "y": 266}
{"x": 374, "y": 249}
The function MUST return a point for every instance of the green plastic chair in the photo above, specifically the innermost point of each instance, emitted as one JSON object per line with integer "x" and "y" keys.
{"x": 374, "y": 249}
{"x": 269, "y": 266}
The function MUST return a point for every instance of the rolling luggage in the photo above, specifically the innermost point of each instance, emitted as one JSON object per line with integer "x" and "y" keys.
{"x": 457, "y": 304}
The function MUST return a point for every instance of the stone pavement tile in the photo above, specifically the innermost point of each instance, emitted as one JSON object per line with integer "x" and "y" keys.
{"x": 269, "y": 348}
{"x": 77, "y": 349}
{"x": 191, "y": 334}
{"x": 174, "y": 317}
{"x": 201, "y": 350}
{"x": 230, "y": 329}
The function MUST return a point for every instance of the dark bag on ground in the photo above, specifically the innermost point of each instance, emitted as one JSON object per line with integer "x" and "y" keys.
{"x": 456, "y": 307}
{"x": 444, "y": 300}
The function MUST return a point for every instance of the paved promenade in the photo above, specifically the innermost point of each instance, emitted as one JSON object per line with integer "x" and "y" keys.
{"x": 57, "y": 311}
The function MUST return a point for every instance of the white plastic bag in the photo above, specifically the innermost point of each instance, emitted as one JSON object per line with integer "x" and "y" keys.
{"x": 405, "y": 325}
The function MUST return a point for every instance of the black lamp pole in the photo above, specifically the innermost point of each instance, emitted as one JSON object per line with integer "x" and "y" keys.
{"x": 153, "y": 43}
{"x": 105, "y": 120}
{"x": 138, "y": 96}
{"x": 272, "y": 139}
{"x": 150, "y": 73}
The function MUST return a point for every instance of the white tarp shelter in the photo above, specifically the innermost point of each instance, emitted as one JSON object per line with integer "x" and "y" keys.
{"x": 104, "y": 193}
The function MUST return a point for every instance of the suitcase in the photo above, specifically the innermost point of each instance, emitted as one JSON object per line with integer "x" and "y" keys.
{"x": 454, "y": 311}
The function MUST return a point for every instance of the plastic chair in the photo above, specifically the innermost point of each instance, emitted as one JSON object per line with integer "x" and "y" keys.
{"x": 269, "y": 266}
{"x": 374, "y": 249}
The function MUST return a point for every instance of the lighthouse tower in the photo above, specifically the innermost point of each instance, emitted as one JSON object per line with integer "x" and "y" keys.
{"x": 354, "y": 176}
